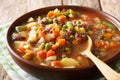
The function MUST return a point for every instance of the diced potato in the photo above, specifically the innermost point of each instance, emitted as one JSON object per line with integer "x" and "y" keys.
{"x": 67, "y": 62}
{"x": 49, "y": 37}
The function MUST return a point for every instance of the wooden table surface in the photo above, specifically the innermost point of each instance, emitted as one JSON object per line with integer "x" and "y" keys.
{"x": 12, "y": 9}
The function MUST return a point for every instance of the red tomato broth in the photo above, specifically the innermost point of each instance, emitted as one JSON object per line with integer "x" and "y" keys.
{"x": 63, "y": 35}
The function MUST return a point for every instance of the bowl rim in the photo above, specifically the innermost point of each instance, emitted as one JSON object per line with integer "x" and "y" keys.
{"x": 113, "y": 20}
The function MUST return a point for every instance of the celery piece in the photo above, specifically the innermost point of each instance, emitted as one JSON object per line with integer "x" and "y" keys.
{"x": 109, "y": 25}
{"x": 20, "y": 28}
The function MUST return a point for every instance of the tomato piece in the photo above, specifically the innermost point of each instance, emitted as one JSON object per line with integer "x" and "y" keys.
{"x": 56, "y": 64}
{"x": 41, "y": 54}
{"x": 50, "y": 53}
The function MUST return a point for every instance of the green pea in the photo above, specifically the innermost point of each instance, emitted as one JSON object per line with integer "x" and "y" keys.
{"x": 48, "y": 46}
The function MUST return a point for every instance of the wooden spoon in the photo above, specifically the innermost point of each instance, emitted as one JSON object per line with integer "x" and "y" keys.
{"x": 107, "y": 71}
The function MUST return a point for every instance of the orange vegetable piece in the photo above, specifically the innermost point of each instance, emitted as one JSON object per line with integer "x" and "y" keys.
{"x": 51, "y": 14}
{"x": 41, "y": 28}
{"x": 103, "y": 26}
{"x": 42, "y": 35}
{"x": 94, "y": 27}
{"x": 97, "y": 44}
{"x": 106, "y": 47}
{"x": 102, "y": 42}
{"x": 21, "y": 49}
{"x": 41, "y": 54}
{"x": 50, "y": 53}
{"x": 113, "y": 44}
{"x": 54, "y": 47}
{"x": 56, "y": 64}
{"x": 56, "y": 31}
{"x": 61, "y": 42}
{"x": 61, "y": 19}
{"x": 108, "y": 35}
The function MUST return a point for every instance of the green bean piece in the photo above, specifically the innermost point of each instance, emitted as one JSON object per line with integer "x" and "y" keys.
{"x": 66, "y": 13}
{"x": 109, "y": 25}
{"x": 20, "y": 28}
{"x": 72, "y": 12}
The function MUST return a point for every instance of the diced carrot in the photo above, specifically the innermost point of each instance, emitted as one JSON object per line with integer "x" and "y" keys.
{"x": 61, "y": 42}
{"x": 97, "y": 44}
{"x": 54, "y": 47}
{"x": 56, "y": 31}
{"x": 50, "y": 53}
{"x": 94, "y": 27}
{"x": 61, "y": 19}
{"x": 42, "y": 35}
{"x": 21, "y": 49}
{"x": 51, "y": 14}
{"x": 41, "y": 54}
{"x": 41, "y": 28}
{"x": 113, "y": 44}
{"x": 71, "y": 16}
{"x": 108, "y": 35}
{"x": 56, "y": 64}
{"x": 103, "y": 27}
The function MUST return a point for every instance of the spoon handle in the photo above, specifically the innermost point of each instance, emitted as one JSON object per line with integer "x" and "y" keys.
{"x": 107, "y": 71}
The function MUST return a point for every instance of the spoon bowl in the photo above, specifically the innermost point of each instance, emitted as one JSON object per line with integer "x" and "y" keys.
{"x": 107, "y": 71}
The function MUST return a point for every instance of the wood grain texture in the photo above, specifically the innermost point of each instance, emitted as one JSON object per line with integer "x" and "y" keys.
{"x": 11, "y": 9}
{"x": 112, "y": 7}
{"x": 35, "y": 4}
{"x": 88, "y": 3}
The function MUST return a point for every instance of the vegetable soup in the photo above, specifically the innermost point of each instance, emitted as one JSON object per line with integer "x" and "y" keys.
{"x": 53, "y": 39}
